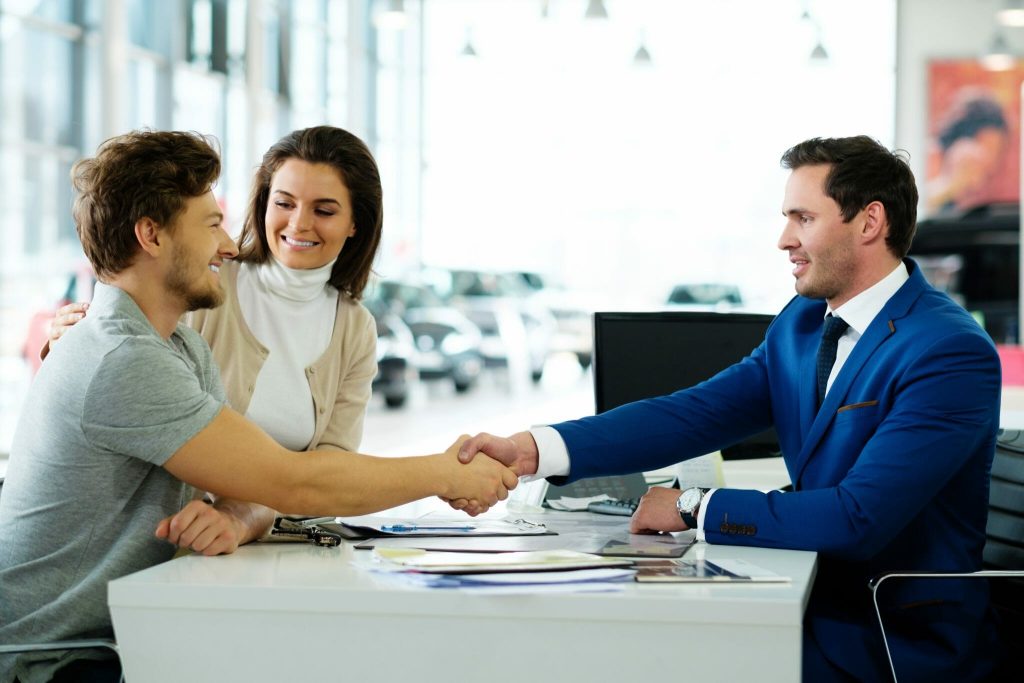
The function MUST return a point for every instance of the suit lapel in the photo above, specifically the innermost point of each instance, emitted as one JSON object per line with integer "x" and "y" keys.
{"x": 879, "y": 331}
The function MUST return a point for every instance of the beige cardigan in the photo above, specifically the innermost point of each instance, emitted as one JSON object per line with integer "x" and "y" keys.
{"x": 339, "y": 380}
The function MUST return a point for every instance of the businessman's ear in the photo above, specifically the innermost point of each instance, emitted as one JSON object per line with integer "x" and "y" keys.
{"x": 876, "y": 222}
{"x": 149, "y": 236}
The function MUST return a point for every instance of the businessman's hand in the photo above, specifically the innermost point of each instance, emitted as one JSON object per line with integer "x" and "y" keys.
{"x": 657, "y": 512}
{"x": 479, "y": 484}
{"x": 203, "y": 528}
{"x": 518, "y": 452}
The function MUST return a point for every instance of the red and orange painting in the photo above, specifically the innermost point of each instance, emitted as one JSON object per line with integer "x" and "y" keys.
{"x": 973, "y": 135}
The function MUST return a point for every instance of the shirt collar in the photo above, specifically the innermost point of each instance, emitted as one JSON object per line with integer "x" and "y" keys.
{"x": 859, "y": 311}
{"x": 119, "y": 303}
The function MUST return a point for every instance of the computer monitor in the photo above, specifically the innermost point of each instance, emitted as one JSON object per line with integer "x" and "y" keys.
{"x": 642, "y": 355}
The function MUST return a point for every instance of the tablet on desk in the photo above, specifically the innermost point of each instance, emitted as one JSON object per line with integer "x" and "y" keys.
{"x": 646, "y": 546}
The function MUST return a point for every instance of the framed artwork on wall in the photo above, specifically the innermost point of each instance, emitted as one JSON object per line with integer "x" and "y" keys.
{"x": 973, "y": 136}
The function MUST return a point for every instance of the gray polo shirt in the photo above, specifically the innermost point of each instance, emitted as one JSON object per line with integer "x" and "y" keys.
{"x": 85, "y": 486}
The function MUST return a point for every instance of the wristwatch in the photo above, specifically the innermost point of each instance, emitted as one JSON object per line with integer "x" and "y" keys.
{"x": 688, "y": 505}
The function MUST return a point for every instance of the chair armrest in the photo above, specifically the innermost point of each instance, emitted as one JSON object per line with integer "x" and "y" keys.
{"x": 60, "y": 645}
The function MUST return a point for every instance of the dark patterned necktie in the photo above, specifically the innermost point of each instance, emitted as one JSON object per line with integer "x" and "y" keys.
{"x": 834, "y": 329}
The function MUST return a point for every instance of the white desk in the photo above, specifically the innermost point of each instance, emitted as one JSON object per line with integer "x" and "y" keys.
{"x": 290, "y": 612}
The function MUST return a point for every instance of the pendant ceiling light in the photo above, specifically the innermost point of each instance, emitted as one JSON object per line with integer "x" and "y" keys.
{"x": 468, "y": 50}
{"x": 1012, "y": 15}
{"x": 998, "y": 57}
{"x": 393, "y": 17}
{"x": 596, "y": 10}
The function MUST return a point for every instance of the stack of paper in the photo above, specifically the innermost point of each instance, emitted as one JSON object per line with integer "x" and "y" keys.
{"x": 520, "y": 572}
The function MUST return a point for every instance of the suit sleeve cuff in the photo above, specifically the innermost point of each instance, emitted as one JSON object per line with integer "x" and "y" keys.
{"x": 552, "y": 455}
{"x": 702, "y": 513}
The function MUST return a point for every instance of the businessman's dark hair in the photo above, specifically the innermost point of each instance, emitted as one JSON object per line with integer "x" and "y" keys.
{"x": 863, "y": 171}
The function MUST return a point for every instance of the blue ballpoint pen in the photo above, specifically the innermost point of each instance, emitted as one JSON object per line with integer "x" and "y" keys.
{"x": 398, "y": 528}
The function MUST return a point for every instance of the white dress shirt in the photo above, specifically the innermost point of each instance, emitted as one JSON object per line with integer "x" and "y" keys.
{"x": 858, "y": 312}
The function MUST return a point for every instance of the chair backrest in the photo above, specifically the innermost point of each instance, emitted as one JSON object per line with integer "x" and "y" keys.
{"x": 1004, "y": 548}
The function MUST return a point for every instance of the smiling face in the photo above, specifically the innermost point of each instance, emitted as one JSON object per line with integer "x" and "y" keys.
{"x": 200, "y": 245}
{"x": 821, "y": 245}
{"x": 309, "y": 215}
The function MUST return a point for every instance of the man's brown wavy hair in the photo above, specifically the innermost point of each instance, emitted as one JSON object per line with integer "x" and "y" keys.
{"x": 143, "y": 174}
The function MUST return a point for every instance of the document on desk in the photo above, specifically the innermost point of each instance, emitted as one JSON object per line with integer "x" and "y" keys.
{"x": 383, "y": 527}
{"x": 576, "y": 504}
{"x": 425, "y": 561}
{"x": 524, "y": 583}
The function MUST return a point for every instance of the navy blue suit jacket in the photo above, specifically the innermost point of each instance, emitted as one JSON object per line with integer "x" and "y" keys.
{"x": 890, "y": 474}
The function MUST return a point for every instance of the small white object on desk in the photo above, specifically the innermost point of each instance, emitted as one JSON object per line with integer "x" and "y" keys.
{"x": 567, "y": 504}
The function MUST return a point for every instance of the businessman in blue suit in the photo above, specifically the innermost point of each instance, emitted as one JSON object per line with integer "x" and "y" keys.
{"x": 885, "y": 396}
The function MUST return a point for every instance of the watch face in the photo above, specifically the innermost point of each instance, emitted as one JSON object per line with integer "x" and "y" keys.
{"x": 689, "y": 500}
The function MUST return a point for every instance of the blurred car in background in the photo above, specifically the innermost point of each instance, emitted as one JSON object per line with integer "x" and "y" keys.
{"x": 706, "y": 294}
{"x": 574, "y": 315}
{"x": 574, "y": 323}
{"x": 517, "y": 329}
{"x": 447, "y": 344}
{"x": 396, "y": 368}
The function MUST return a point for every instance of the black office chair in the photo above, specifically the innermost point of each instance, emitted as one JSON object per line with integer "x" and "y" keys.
{"x": 84, "y": 644}
{"x": 1003, "y": 555}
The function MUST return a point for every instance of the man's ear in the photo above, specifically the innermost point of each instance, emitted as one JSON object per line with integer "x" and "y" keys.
{"x": 148, "y": 235}
{"x": 876, "y": 222}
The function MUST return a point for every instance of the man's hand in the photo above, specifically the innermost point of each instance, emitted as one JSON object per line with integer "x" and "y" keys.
{"x": 657, "y": 512}
{"x": 478, "y": 484}
{"x": 203, "y": 528}
{"x": 518, "y": 452}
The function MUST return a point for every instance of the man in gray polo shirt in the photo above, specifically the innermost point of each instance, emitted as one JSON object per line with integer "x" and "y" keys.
{"x": 121, "y": 422}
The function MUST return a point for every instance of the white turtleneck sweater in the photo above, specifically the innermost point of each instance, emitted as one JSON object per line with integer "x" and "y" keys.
{"x": 291, "y": 312}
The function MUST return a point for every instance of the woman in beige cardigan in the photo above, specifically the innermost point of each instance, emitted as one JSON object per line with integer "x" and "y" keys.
{"x": 296, "y": 349}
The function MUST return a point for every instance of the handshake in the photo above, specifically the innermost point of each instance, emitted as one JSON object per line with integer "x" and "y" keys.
{"x": 475, "y": 484}
{"x": 518, "y": 456}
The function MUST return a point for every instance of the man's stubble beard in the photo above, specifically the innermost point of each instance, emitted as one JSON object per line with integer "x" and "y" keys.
{"x": 181, "y": 283}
